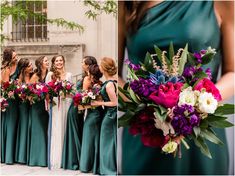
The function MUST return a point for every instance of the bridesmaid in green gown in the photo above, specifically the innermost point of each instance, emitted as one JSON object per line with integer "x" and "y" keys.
{"x": 9, "y": 118}
{"x": 25, "y": 71}
{"x": 108, "y": 132}
{"x": 89, "y": 160}
{"x": 73, "y": 135}
{"x": 38, "y": 120}
{"x": 180, "y": 22}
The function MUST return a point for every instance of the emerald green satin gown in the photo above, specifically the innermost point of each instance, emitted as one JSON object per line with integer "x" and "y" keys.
{"x": 89, "y": 160}
{"x": 73, "y": 136}
{"x": 108, "y": 137}
{"x": 180, "y": 22}
{"x": 9, "y": 121}
{"x": 22, "y": 133}
{"x": 37, "y": 134}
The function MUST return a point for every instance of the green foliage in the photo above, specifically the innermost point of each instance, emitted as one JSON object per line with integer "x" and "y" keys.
{"x": 183, "y": 60}
{"x": 99, "y": 7}
{"x": 19, "y": 11}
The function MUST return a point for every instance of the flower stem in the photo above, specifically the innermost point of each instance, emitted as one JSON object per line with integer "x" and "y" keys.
{"x": 185, "y": 144}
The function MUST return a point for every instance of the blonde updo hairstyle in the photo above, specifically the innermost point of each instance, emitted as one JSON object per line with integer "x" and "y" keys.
{"x": 109, "y": 66}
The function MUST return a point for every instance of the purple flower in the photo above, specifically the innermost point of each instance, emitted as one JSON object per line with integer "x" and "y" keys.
{"x": 184, "y": 119}
{"x": 198, "y": 57}
{"x": 208, "y": 72}
{"x": 189, "y": 72}
{"x": 143, "y": 87}
{"x": 131, "y": 65}
{"x": 203, "y": 52}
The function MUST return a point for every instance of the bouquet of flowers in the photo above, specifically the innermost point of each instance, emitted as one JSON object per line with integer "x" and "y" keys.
{"x": 85, "y": 97}
{"x": 4, "y": 104}
{"x": 8, "y": 89}
{"x": 67, "y": 88}
{"x": 23, "y": 91}
{"x": 38, "y": 92}
{"x": 172, "y": 103}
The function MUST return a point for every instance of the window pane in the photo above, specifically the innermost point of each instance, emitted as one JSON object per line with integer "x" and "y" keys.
{"x": 39, "y": 32}
{"x": 30, "y": 32}
{"x": 45, "y": 32}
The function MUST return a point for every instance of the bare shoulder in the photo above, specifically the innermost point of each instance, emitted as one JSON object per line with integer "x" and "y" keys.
{"x": 34, "y": 78}
{"x": 110, "y": 85}
{"x": 225, "y": 10}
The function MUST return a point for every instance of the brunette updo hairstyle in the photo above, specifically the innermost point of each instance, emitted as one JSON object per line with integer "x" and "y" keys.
{"x": 95, "y": 72}
{"x": 89, "y": 60}
{"x": 7, "y": 57}
{"x": 22, "y": 65}
{"x": 56, "y": 73}
{"x": 38, "y": 70}
{"x": 109, "y": 66}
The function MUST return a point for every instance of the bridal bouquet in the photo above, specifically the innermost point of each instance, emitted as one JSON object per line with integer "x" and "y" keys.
{"x": 58, "y": 88}
{"x": 172, "y": 103}
{"x": 3, "y": 104}
{"x": 8, "y": 89}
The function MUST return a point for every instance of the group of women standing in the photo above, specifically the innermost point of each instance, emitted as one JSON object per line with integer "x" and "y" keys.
{"x": 61, "y": 136}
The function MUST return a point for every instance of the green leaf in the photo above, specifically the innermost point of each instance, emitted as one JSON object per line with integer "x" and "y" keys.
{"x": 131, "y": 73}
{"x": 200, "y": 75}
{"x": 183, "y": 60}
{"x": 221, "y": 124}
{"x": 211, "y": 137}
{"x": 207, "y": 58}
{"x": 125, "y": 119}
{"x": 197, "y": 131}
{"x": 124, "y": 92}
{"x": 159, "y": 56}
{"x": 203, "y": 147}
{"x": 225, "y": 109}
{"x": 212, "y": 118}
{"x": 204, "y": 124}
{"x": 186, "y": 85}
{"x": 171, "y": 52}
{"x": 126, "y": 86}
{"x": 191, "y": 59}
{"x": 134, "y": 96}
{"x": 148, "y": 63}
{"x": 158, "y": 114}
{"x": 140, "y": 107}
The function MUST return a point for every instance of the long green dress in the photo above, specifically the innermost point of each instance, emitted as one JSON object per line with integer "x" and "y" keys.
{"x": 37, "y": 134}
{"x": 192, "y": 22}
{"x": 108, "y": 137}
{"x": 89, "y": 160}
{"x": 22, "y": 133}
{"x": 73, "y": 136}
{"x": 9, "y": 121}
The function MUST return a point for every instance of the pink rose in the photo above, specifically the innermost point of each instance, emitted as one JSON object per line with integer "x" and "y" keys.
{"x": 45, "y": 89}
{"x": 167, "y": 94}
{"x": 210, "y": 88}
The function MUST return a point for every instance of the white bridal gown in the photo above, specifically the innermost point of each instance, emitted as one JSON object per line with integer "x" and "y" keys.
{"x": 58, "y": 126}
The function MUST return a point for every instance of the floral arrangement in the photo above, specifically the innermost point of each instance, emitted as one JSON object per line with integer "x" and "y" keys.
{"x": 58, "y": 88}
{"x": 172, "y": 103}
{"x": 85, "y": 97}
{"x": 4, "y": 104}
{"x": 8, "y": 89}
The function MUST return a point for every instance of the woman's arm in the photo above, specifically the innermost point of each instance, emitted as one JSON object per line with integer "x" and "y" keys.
{"x": 226, "y": 83}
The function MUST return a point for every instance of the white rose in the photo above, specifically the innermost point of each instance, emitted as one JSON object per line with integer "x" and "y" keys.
{"x": 23, "y": 86}
{"x": 93, "y": 97}
{"x": 170, "y": 147}
{"x": 207, "y": 103}
{"x": 187, "y": 96}
{"x": 90, "y": 94}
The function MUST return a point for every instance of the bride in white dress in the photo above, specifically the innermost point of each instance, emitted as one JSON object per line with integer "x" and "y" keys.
{"x": 57, "y": 123}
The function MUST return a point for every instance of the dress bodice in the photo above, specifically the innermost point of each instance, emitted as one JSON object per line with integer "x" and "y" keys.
{"x": 180, "y": 22}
